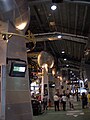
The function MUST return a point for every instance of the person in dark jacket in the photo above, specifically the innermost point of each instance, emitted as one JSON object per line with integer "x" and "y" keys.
{"x": 84, "y": 100}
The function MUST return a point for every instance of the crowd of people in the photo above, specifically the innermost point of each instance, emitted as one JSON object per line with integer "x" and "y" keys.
{"x": 61, "y": 100}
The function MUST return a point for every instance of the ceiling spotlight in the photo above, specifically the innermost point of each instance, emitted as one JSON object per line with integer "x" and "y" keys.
{"x": 59, "y": 36}
{"x": 63, "y": 51}
{"x": 53, "y": 7}
{"x": 67, "y": 65}
{"x": 65, "y": 59}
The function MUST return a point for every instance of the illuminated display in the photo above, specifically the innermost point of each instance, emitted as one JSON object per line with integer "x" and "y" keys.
{"x": 17, "y": 69}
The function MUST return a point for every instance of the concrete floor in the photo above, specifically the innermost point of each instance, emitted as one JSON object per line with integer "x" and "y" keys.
{"x": 76, "y": 114}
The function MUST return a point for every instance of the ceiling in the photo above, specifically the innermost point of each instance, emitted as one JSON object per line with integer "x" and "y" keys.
{"x": 71, "y": 20}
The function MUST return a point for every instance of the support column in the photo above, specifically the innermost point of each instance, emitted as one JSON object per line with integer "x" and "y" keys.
{"x": 87, "y": 68}
{"x": 87, "y": 57}
{"x": 17, "y": 99}
{"x": 45, "y": 85}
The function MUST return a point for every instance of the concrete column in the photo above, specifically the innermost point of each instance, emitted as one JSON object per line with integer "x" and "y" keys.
{"x": 45, "y": 85}
{"x": 87, "y": 68}
{"x": 17, "y": 98}
{"x": 51, "y": 88}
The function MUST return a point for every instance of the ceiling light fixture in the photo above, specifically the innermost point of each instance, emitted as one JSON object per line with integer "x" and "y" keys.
{"x": 63, "y": 51}
{"x": 21, "y": 26}
{"x": 59, "y": 36}
{"x": 65, "y": 59}
{"x": 53, "y": 7}
{"x": 67, "y": 65}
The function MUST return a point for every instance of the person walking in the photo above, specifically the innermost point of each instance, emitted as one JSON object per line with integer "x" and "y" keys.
{"x": 64, "y": 101}
{"x": 56, "y": 102}
{"x": 71, "y": 99}
{"x": 84, "y": 100}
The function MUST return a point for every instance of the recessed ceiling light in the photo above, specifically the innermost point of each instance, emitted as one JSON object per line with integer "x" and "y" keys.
{"x": 53, "y": 7}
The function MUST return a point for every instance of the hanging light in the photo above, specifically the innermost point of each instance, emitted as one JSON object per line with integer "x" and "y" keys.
{"x": 21, "y": 26}
{"x": 53, "y": 7}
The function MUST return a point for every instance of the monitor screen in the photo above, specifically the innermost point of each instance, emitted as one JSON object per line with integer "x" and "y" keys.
{"x": 17, "y": 69}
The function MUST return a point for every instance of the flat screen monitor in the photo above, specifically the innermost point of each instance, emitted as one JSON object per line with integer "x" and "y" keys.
{"x": 18, "y": 69}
